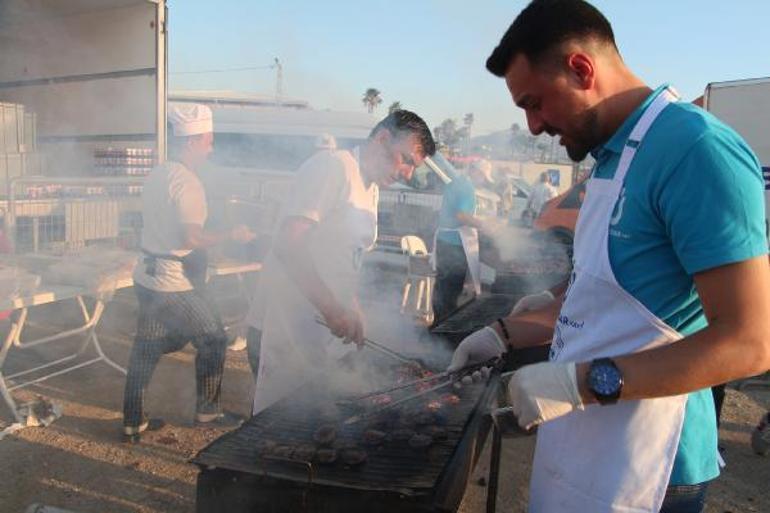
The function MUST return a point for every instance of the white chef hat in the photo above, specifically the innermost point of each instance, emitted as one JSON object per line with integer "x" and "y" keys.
{"x": 190, "y": 119}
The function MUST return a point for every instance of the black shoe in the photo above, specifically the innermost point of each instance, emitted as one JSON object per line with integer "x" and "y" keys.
{"x": 224, "y": 420}
{"x": 133, "y": 434}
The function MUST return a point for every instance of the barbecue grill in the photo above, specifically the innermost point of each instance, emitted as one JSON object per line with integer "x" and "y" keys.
{"x": 395, "y": 477}
{"x": 484, "y": 311}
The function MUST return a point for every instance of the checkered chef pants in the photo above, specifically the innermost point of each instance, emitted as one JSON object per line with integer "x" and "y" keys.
{"x": 167, "y": 322}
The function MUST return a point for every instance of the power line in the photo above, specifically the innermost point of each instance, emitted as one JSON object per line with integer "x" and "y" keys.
{"x": 224, "y": 70}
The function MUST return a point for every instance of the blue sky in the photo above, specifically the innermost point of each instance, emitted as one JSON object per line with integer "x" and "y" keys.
{"x": 430, "y": 55}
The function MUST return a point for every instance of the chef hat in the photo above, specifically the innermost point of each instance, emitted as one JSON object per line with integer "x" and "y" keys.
{"x": 484, "y": 167}
{"x": 190, "y": 119}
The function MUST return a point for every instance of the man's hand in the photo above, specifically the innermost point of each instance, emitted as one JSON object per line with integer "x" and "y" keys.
{"x": 542, "y": 392}
{"x": 532, "y": 302}
{"x": 242, "y": 234}
{"x": 346, "y": 324}
{"x": 478, "y": 347}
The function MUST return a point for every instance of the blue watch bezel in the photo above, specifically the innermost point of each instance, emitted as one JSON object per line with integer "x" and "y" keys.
{"x": 605, "y": 381}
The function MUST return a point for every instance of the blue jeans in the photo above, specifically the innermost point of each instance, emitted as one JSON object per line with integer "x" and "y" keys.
{"x": 685, "y": 498}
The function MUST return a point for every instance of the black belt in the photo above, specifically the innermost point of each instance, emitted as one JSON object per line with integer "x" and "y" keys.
{"x": 194, "y": 265}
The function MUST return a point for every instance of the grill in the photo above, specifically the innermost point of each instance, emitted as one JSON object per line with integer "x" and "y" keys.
{"x": 235, "y": 478}
{"x": 474, "y": 315}
{"x": 484, "y": 311}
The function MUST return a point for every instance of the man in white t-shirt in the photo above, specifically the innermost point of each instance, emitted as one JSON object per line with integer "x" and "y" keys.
{"x": 542, "y": 193}
{"x": 327, "y": 225}
{"x": 169, "y": 280}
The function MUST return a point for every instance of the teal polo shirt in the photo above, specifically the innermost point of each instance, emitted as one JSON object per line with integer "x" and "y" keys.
{"x": 692, "y": 200}
{"x": 459, "y": 197}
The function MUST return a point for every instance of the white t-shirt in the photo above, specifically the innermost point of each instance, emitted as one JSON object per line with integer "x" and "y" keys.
{"x": 329, "y": 190}
{"x": 542, "y": 192}
{"x": 172, "y": 197}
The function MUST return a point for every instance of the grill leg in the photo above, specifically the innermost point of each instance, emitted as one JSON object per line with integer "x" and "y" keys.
{"x": 494, "y": 469}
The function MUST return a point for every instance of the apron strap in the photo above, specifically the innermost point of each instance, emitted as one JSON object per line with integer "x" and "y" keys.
{"x": 667, "y": 96}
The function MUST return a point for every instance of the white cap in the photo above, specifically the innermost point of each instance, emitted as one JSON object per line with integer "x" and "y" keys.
{"x": 190, "y": 119}
{"x": 484, "y": 167}
{"x": 326, "y": 142}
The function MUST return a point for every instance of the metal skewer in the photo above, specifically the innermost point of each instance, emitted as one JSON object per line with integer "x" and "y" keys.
{"x": 382, "y": 349}
{"x": 393, "y": 388}
{"x": 362, "y": 416}
{"x": 451, "y": 377}
{"x": 457, "y": 374}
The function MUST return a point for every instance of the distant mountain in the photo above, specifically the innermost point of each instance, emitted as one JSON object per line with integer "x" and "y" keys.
{"x": 501, "y": 145}
{"x": 498, "y": 142}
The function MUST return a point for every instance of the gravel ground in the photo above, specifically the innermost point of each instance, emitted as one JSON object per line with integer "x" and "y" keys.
{"x": 79, "y": 462}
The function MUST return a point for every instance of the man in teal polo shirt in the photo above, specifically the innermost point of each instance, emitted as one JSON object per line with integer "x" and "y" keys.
{"x": 678, "y": 241}
{"x": 458, "y": 208}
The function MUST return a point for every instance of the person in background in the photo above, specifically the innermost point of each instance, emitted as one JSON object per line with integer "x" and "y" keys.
{"x": 170, "y": 280}
{"x": 456, "y": 245}
{"x": 647, "y": 324}
{"x": 506, "y": 197}
{"x": 311, "y": 275}
{"x": 542, "y": 192}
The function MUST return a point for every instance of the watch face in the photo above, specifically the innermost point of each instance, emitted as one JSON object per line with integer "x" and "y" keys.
{"x": 605, "y": 379}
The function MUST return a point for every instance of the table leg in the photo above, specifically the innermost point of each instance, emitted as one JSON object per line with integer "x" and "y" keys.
{"x": 11, "y": 338}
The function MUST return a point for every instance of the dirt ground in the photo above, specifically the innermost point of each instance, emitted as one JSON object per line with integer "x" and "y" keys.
{"x": 79, "y": 462}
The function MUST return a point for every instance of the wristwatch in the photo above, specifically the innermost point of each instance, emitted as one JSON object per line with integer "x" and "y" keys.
{"x": 605, "y": 380}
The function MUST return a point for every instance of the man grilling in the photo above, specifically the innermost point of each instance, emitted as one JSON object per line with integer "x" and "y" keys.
{"x": 312, "y": 272}
{"x": 670, "y": 292}
{"x": 457, "y": 238}
{"x": 174, "y": 307}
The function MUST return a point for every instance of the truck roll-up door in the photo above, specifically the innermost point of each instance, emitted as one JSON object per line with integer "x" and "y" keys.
{"x": 93, "y": 72}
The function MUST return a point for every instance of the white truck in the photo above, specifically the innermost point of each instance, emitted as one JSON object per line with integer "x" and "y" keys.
{"x": 93, "y": 71}
{"x": 745, "y": 106}
{"x": 88, "y": 79}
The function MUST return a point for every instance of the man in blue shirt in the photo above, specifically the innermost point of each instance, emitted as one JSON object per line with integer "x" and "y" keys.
{"x": 684, "y": 248}
{"x": 458, "y": 207}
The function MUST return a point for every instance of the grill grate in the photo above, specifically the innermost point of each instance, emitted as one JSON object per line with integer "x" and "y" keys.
{"x": 474, "y": 315}
{"x": 391, "y": 467}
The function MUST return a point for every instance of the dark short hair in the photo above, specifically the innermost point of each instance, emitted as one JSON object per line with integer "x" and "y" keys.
{"x": 400, "y": 121}
{"x": 544, "y": 25}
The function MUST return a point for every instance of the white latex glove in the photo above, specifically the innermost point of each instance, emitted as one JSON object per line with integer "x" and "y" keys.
{"x": 532, "y": 302}
{"x": 477, "y": 347}
{"x": 543, "y": 392}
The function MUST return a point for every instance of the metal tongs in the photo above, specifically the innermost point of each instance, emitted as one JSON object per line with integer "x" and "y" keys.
{"x": 447, "y": 378}
{"x": 414, "y": 362}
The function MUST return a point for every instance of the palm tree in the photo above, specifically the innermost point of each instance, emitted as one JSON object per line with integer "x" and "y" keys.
{"x": 371, "y": 99}
{"x": 394, "y": 107}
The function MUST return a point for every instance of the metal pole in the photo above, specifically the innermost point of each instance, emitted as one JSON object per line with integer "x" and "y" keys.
{"x": 494, "y": 468}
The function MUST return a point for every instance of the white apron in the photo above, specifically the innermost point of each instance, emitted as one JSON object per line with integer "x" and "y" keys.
{"x": 295, "y": 348}
{"x": 615, "y": 458}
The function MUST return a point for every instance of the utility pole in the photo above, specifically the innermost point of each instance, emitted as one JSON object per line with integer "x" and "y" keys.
{"x": 278, "y": 80}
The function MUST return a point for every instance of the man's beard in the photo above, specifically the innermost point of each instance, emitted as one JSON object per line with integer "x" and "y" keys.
{"x": 587, "y": 136}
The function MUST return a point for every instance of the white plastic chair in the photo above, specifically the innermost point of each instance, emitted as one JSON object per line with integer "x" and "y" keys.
{"x": 419, "y": 272}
